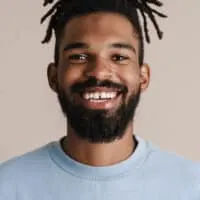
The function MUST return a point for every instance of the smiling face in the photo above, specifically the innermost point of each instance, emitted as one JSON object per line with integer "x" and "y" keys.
{"x": 98, "y": 78}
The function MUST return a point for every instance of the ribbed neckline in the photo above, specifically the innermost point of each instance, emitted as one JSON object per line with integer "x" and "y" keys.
{"x": 93, "y": 172}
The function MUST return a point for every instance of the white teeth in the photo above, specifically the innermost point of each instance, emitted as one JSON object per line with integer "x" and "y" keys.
{"x": 99, "y": 95}
{"x": 107, "y": 95}
{"x": 96, "y": 95}
{"x": 112, "y": 95}
{"x": 91, "y": 95}
{"x": 87, "y": 96}
{"x": 103, "y": 95}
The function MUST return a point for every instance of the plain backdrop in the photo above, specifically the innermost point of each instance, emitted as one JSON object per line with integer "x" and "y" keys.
{"x": 169, "y": 112}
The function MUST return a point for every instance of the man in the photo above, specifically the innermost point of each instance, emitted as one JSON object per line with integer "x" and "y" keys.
{"x": 98, "y": 76}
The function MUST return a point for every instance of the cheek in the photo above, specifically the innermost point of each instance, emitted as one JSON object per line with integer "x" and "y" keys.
{"x": 131, "y": 78}
{"x": 69, "y": 75}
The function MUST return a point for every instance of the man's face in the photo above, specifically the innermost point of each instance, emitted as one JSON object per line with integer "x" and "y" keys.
{"x": 98, "y": 75}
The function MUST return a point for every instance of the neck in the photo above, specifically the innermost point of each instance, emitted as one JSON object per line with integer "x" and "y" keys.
{"x": 99, "y": 154}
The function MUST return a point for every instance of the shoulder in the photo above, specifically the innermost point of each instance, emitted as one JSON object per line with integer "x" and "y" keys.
{"x": 22, "y": 168}
{"x": 173, "y": 167}
{"x": 27, "y": 161}
{"x": 170, "y": 159}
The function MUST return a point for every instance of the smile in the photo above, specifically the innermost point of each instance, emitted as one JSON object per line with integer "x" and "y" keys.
{"x": 99, "y": 96}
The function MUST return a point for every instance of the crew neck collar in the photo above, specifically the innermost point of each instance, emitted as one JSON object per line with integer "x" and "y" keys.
{"x": 99, "y": 172}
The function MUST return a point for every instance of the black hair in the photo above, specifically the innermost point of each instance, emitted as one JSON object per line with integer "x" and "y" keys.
{"x": 63, "y": 10}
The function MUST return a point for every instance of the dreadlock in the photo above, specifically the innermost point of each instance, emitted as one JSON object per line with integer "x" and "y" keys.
{"x": 63, "y": 10}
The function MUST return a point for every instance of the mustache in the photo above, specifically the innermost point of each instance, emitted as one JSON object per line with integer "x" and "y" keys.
{"x": 93, "y": 82}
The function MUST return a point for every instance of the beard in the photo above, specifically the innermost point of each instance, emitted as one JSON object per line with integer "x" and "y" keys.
{"x": 98, "y": 126}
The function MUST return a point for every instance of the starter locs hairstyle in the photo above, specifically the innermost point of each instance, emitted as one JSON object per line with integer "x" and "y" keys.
{"x": 63, "y": 10}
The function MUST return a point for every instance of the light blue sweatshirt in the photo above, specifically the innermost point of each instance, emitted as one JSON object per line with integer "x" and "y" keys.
{"x": 148, "y": 174}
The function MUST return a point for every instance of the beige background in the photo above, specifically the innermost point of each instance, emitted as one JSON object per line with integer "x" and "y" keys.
{"x": 169, "y": 111}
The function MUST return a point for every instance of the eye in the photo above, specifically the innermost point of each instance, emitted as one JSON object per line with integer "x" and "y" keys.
{"x": 78, "y": 58}
{"x": 120, "y": 59}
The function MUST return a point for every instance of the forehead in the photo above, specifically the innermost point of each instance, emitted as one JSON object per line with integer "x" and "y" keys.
{"x": 100, "y": 28}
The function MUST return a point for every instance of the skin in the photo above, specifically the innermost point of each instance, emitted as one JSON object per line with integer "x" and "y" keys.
{"x": 99, "y": 31}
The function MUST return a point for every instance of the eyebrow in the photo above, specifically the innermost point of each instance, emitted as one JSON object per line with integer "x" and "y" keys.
{"x": 76, "y": 45}
{"x": 123, "y": 46}
{"x": 81, "y": 45}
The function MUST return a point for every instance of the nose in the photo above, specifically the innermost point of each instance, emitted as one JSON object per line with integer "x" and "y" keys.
{"x": 98, "y": 68}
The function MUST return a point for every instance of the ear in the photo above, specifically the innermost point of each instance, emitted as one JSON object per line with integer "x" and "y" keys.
{"x": 144, "y": 76}
{"x": 52, "y": 76}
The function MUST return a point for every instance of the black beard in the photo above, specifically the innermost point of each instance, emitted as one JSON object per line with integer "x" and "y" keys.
{"x": 98, "y": 126}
